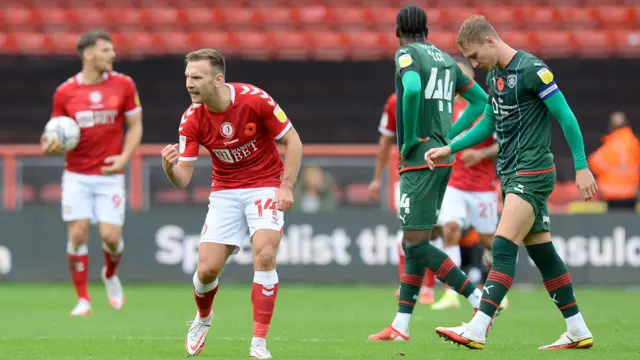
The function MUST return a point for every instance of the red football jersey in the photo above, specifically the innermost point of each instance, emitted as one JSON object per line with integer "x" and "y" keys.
{"x": 387, "y": 125}
{"x": 479, "y": 177}
{"x": 100, "y": 110}
{"x": 241, "y": 140}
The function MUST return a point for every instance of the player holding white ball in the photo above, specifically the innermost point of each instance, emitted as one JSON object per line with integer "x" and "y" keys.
{"x": 101, "y": 101}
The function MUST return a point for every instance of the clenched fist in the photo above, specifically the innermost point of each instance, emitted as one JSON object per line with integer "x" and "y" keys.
{"x": 170, "y": 156}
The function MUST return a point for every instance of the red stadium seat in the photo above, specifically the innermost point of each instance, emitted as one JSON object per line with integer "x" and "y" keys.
{"x": 219, "y": 40}
{"x": 313, "y": 16}
{"x": 90, "y": 18}
{"x": 199, "y": 18}
{"x": 292, "y": 45}
{"x": 161, "y": 17}
{"x": 125, "y": 19}
{"x": 328, "y": 45}
{"x": 452, "y": 18}
{"x": 610, "y": 17}
{"x": 503, "y": 18}
{"x": 364, "y": 45}
{"x": 53, "y": 18}
{"x": 388, "y": 42}
{"x": 577, "y": 17}
{"x": 351, "y": 18}
{"x": 520, "y": 40}
{"x": 385, "y": 18}
{"x": 594, "y": 43}
{"x": 177, "y": 41}
{"x": 280, "y": 18}
{"x": 7, "y": 43}
{"x": 237, "y": 19}
{"x": 140, "y": 43}
{"x": 32, "y": 43}
{"x": 445, "y": 41}
{"x": 537, "y": 18}
{"x": 19, "y": 18}
{"x": 627, "y": 42}
{"x": 254, "y": 44}
{"x": 63, "y": 42}
{"x": 555, "y": 43}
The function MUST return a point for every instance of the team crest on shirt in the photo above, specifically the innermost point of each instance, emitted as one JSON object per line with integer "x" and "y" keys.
{"x": 95, "y": 97}
{"x": 227, "y": 130}
{"x": 511, "y": 81}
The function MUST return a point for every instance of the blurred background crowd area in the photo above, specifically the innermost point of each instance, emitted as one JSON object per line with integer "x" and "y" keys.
{"x": 329, "y": 64}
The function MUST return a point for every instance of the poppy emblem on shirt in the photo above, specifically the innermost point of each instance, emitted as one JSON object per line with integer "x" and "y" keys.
{"x": 227, "y": 130}
{"x": 250, "y": 129}
{"x": 500, "y": 84}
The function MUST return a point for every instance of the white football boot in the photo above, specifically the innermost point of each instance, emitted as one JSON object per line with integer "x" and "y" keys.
{"x": 82, "y": 308}
{"x": 568, "y": 341}
{"x": 197, "y": 335}
{"x": 258, "y": 349}
{"x": 464, "y": 335}
{"x": 115, "y": 295}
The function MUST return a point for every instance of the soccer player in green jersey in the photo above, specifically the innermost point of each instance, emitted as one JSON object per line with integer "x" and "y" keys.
{"x": 522, "y": 96}
{"x": 427, "y": 81}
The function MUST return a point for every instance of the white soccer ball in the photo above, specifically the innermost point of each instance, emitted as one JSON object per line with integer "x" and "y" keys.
{"x": 65, "y": 129}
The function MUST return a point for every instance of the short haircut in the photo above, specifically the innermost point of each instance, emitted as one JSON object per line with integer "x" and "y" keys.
{"x": 411, "y": 21}
{"x": 90, "y": 38}
{"x": 474, "y": 30}
{"x": 212, "y": 56}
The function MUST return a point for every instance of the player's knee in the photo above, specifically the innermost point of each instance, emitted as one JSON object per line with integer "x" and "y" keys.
{"x": 451, "y": 233}
{"x": 78, "y": 232}
{"x": 208, "y": 274}
{"x": 111, "y": 238}
{"x": 265, "y": 258}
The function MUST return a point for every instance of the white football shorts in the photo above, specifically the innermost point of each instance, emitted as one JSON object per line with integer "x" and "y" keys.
{"x": 233, "y": 212}
{"x": 469, "y": 208}
{"x": 99, "y": 198}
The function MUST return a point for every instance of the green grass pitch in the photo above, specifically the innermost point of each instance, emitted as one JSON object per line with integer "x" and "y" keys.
{"x": 310, "y": 323}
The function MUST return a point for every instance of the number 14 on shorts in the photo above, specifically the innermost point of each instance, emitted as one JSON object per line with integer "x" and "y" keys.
{"x": 268, "y": 204}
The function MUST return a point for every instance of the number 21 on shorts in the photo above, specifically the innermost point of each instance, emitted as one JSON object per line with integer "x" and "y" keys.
{"x": 268, "y": 204}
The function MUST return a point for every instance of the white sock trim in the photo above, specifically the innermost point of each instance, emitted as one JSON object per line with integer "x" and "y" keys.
{"x": 118, "y": 251}
{"x": 203, "y": 288}
{"x": 401, "y": 322}
{"x": 80, "y": 250}
{"x": 265, "y": 277}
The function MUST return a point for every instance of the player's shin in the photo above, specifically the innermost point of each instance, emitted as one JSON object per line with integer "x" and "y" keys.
{"x": 78, "y": 257}
{"x": 558, "y": 282}
{"x": 204, "y": 295}
{"x": 112, "y": 258}
{"x": 410, "y": 284}
{"x": 263, "y": 298}
{"x": 499, "y": 281}
{"x": 447, "y": 272}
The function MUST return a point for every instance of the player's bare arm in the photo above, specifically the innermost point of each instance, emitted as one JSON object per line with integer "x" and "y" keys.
{"x": 382, "y": 159}
{"x": 132, "y": 139}
{"x": 471, "y": 157}
{"x": 292, "y": 161}
{"x": 476, "y": 135}
{"x": 178, "y": 172}
{"x": 559, "y": 108}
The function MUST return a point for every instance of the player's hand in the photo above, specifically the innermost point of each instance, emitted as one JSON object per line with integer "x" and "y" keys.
{"x": 170, "y": 156}
{"x": 51, "y": 145}
{"x": 115, "y": 164}
{"x": 471, "y": 157}
{"x": 586, "y": 183}
{"x": 433, "y": 156}
{"x": 284, "y": 197}
{"x": 406, "y": 148}
{"x": 374, "y": 189}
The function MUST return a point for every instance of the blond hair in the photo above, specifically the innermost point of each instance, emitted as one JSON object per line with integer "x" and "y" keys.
{"x": 474, "y": 30}
{"x": 212, "y": 56}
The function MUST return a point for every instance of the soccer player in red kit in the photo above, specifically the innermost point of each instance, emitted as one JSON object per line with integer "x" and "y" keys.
{"x": 387, "y": 129}
{"x": 93, "y": 184}
{"x": 470, "y": 199}
{"x": 251, "y": 187}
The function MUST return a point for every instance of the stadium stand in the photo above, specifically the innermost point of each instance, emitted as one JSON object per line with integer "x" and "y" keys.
{"x": 299, "y": 29}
